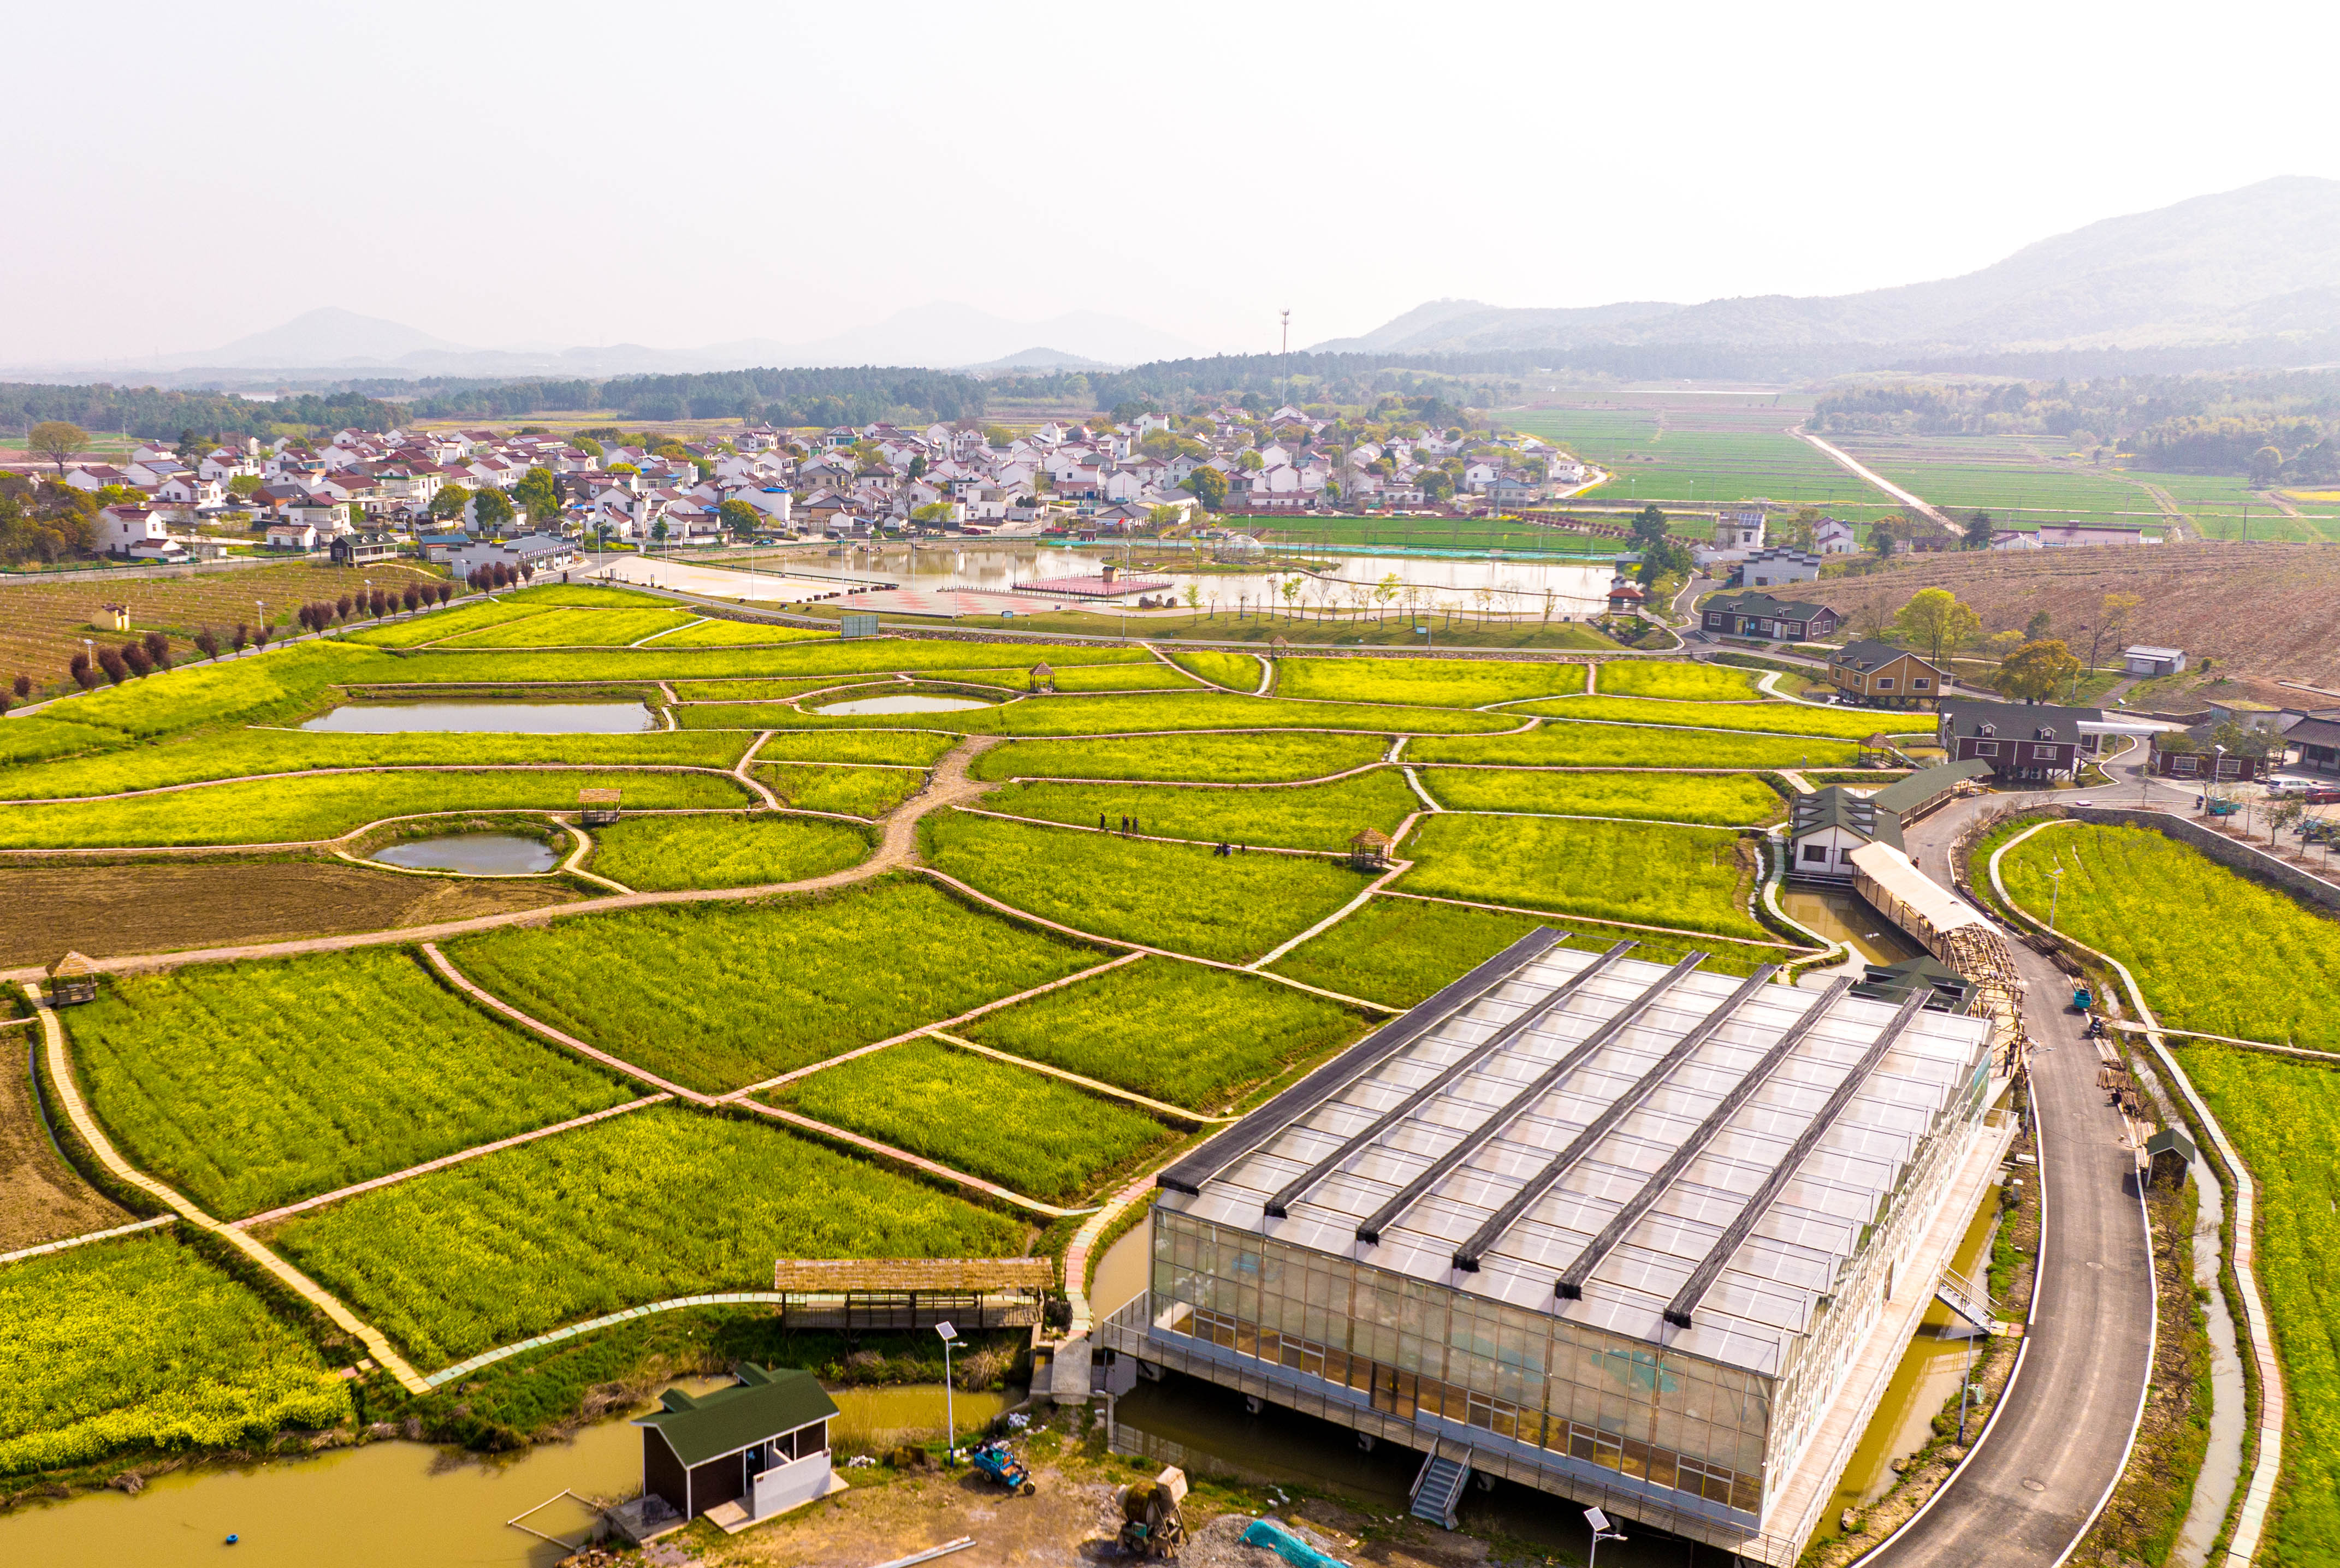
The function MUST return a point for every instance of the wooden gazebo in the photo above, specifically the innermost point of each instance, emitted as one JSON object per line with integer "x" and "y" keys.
{"x": 72, "y": 978}
{"x": 1369, "y": 850}
{"x": 894, "y": 1294}
{"x": 1878, "y": 750}
{"x": 598, "y": 807}
{"x": 1277, "y": 648}
{"x": 1044, "y": 679}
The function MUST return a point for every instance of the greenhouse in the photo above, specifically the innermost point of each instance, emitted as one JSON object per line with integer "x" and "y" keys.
{"x": 1629, "y": 1233}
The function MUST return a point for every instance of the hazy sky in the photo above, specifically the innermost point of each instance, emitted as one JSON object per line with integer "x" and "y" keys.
{"x": 584, "y": 173}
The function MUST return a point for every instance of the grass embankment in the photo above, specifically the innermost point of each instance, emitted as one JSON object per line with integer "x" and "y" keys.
{"x": 1267, "y": 758}
{"x": 1763, "y": 718}
{"x": 1129, "y": 715}
{"x": 868, "y": 792}
{"x": 1428, "y": 683}
{"x": 566, "y": 628}
{"x": 1031, "y": 1134}
{"x": 143, "y": 1344}
{"x": 38, "y": 736}
{"x": 1305, "y": 816}
{"x": 250, "y": 1085}
{"x": 272, "y": 685}
{"x": 1670, "y": 679}
{"x": 1555, "y": 744}
{"x": 1179, "y": 1032}
{"x": 1180, "y": 897}
{"x": 300, "y": 810}
{"x": 716, "y": 997}
{"x": 653, "y": 854}
{"x": 1724, "y": 800}
{"x": 1683, "y": 878}
{"x": 662, "y": 1203}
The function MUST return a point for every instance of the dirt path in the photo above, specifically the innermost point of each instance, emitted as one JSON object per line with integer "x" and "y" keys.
{"x": 1869, "y": 476}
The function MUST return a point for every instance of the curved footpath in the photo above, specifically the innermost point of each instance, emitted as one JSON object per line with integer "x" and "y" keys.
{"x": 2034, "y": 1485}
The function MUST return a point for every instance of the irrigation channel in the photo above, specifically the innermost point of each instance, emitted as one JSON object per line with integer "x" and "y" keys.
{"x": 419, "y": 1504}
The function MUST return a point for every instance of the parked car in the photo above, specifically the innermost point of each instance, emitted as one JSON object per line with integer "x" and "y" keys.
{"x": 2321, "y": 794}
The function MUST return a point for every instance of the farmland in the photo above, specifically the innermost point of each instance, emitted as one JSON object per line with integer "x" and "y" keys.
{"x": 1682, "y": 682}
{"x": 862, "y": 792}
{"x": 1723, "y": 800}
{"x": 1032, "y": 1134}
{"x": 1101, "y": 678}
{"x": 1236, "y": 672}
{"x": 1307, "y": 816}
{"x": 1176, "y": 896}
{"x": 649, "y": 854}
{"x": 1168, "y": 712}
{"x": 2024, "y": 477}
{"x": 1255, "y": 758}
{"x": 42, "y": 1198}
{"x": 723, "y": 634}
{"x": 251, "y": 1085}
{"x": 1763, "y": 718}
{"x": 661, "y": 1203}
{"x": 820, "y": 655}
{"x": 142, "y": 1343}
{"x": 716, "y": 997}
{"x": 1704, "y": 450}
{"x": 451, "y": 621}
{"x": 895, "y": 748}
{"x": 2119, "y": 886}
{"x": 753, "y": 690}
{"x": 1434, "y": 683}
{"x": 281, "y": 682}
{"x": 300, "y": 810}
{"x": 1555, "y": 744}
{"x": 1172, "y": 1031}
{"x": 559, "y": 628}
{"x": 1685, "y": 879}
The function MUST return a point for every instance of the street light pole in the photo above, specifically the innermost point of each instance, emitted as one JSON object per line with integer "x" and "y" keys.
{"x": 1601, "y": 1532}
{"x": 2056, "y": 890}
{"x": 950, "y": 1417}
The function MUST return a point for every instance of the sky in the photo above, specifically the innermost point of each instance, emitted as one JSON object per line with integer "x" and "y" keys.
{"x": 547, "y": 175}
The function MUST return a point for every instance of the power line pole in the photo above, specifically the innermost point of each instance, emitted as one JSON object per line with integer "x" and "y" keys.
{"x": 1287, "y": 355}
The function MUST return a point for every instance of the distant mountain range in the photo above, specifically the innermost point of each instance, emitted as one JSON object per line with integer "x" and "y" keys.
{"x": 2260, "y": 263}
{"x": 343, "y": 344}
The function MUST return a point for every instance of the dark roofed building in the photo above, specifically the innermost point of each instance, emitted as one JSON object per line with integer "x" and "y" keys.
{"x": 1911, "y": 798}
{"x": 1944, "y": 988}
{"x": 2031, "y": 741}
{"x": 1761, "y": 617}
{"x": 1881, "y": 676}
{"x": 2317, "y": 736}
{"x": 1827, "y": 825}
{"x": 758, "y": 1447}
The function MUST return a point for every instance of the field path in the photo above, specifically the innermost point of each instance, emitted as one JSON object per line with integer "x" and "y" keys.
{"x": 68, "y": 1092}
{"x": 1859, "y": 470}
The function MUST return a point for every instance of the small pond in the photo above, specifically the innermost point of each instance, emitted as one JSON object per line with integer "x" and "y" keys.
{"x": 473, "y": 854}
{"x": 486, "y": 718}
{"x": 913, "y": 702}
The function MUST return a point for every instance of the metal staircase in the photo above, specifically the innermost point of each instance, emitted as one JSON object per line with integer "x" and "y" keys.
{"x": 1968, "y": 1299}
{"x": 1438, "y": 1488}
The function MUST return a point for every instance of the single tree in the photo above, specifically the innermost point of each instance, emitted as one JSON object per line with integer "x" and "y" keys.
{"x": 342, "y": 608}
{"x": 1649, "y": 526}
{"x": 242, "y": 635}
{"x": 540, "y": 496}
{"x": 110, "y": 661}
{"x": 445, "y": 592}
{"x": 1979, "y": 531}
{"x": 207, "y": 643}
{"x": 1209, "y": 486}
{"x": 133, "y": 653}
{"x": 658, "y": 531}
{"x": 412, "y": 598}
{"x": 1937, "y": 619}
{"x": 2036, "y": 671}
{"x": 379, "y": 603}
{"x": 493, "y": 510}
{"x": 55, "y": 439}
{"x": 2267, "y": 467}
{"x": 2113, "y": 616}
{"x": 449, "y": 502}
{"x": 262, "y": 633}
{"x": 23, "y": 687}
{"x": 740, "y": 518}
{"x": 1880, "y": 537}
{"x": 2037, "y": 628}
{"x": 83, "y": 675}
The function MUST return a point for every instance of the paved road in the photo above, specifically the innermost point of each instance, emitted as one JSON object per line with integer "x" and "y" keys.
{"x": 2063, "y": 1431}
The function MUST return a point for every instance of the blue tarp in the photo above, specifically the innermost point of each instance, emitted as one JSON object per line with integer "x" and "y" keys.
{"x": 1286, "y": 1544}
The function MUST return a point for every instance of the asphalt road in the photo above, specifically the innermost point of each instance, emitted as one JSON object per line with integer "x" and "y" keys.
{"x": 2062, "y": 1432}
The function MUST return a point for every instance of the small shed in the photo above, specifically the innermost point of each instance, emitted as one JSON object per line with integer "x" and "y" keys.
{"x": 116, "y": 617}
{"x": 1624, "y": 597}
{"x": 72, "y": 978}
{"x": 2168, "y": 1153}
{"x": 2148, "y": 662}
{"x": 1277, "y": 648}
{"x": 1044, "y": 679}
{"x": 598, "y": 807}
{"x": 1369, "y": 850}
{"x": 743, "y": 1454}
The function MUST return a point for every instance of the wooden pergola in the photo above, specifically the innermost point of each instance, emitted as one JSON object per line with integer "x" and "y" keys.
{"x": 72, "y": 978}
{"x": 1044, "y": 679}
{"x": 859, "y": 1293}
{"x": 598, "y": 807}
{"x": 1369, "y": 850}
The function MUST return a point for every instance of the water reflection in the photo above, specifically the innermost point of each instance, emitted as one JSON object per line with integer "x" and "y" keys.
{"x": 474, "y": 854}
{"x": 1845, "y": 916}
{"x": 903, "y": 704}
{"x": 485, "y": 718}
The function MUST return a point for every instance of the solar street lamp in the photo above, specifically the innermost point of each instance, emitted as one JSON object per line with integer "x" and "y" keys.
{"x": 1601, "y": 1532}
{"x": 950, "y": 1420}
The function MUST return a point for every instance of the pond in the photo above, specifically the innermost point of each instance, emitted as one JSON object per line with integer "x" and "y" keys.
{"x": 872, "y": 1419}
{"x": 909, "y": 703}
{"x": 1845, "y": 916}
{"x": 473, "y": 855}
{"x": 486, "y": 718}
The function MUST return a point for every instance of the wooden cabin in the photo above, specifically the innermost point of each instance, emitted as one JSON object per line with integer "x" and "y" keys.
{"x": 741, "y": 1453}
{"x": 1884, "y": 676}
{"x": 72, "y": 978}
{"x": 598, "y": 807}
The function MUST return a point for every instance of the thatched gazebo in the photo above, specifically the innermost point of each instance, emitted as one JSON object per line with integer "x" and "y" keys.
{"x": 1877, "y": 751}
{"x": 1277, "y": 648}
{"x": 1044, "y": 679}
{"x": 1369, "y": 850}
{"x": 598, "y": 807}
{"x": 72, "y": 978}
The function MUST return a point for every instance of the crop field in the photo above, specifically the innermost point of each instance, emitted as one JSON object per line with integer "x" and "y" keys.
{"x": 1135, "y": 713}
{"x": 31, "y": 739}
{"x": 1683, "y": 878}
{"x": 1179, "y": 1032}
{"x": 459, "y": 616}
{"x": 1180, "y": 897}
{"x": 561, "y": 629}
{"x": 1434, "y": 683}
{"x": 2122, "y": 891}
{"x": 141, "y": 1342}
{"x": 300, "y": 810}
{"x": 2284, "y": 1116}
{"x": 652, "y": 853}
{"x": 42, "y": 1198}
{"x": 1260, "y": 758}
{"x": 720, "y": 996}
{"x": 250, "y": 1085}
{"x": 284, "y": 681}
{"x": 1030, "y": 1133}
{"x": 891, "y": 748}
{"x": 2027, "y": 478}
{"x": 862, "y": 792}
{"x": 1722, "y": 800}
{"x": 1680, "y": 682}
{"x": 1701, "y": 451}
{"x": 1236, "y": 672}
{"x": 753, "y": 691}
{"x": 1308, "y": 816}
{"x": 721, "y": 634}
{"x": 821, "y": 655}
{"x": 661, "y": 1203}
{"x": 243, "y": 753}
{"x": 1095, "y": 678}
{"x": 1763, "y": 718}
{"x": 1553, "y": 743}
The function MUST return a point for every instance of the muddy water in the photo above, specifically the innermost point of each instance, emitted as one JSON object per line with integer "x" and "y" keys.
{"x": 904, "y": 705}
{"x": 1850, "y": 918}
{"x": 473, "y": 855}
{"x": 2222, "y": 1465}
{"x": 1121, "y": 1272}
{"x": 874, "y": 1418}
{"x": 485, "y": 718}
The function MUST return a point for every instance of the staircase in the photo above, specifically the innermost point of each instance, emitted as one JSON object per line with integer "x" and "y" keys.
{"x": 1439, "y": 1487}
{"x": 1968, "y": 1299}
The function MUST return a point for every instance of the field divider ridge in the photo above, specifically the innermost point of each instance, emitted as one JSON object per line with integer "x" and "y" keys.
{"x": 919, "y": 1162}
{"x": 68, "y": 1243}
{"x": 743, "y": 770}
{"x": 373, "y": 768}
{"x": 439, "y": 1379}
{"x": 461, "y": 982}
{"x": 1597, "y": 919}
{"x": 1397, "y": 868}
{"x": 1421, "y": 794}
{"x": 1147, "y": 837}
{"x": 574, "y": 864}
{"x": 444, "y": 1160}
{"x": 101, "y": 1147}
{"x": 1160, "y": 1108}
{"x": 2298, "y": 1050}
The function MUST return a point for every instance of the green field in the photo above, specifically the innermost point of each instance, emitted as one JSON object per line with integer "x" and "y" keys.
{"x": 1723, "y": 800}
{"x": 1264, "y": 758}
{"x": 862, "y": 792}
{"x": 893, "y": 748}
{"x": 28, "y": 739}
{"x": 662, "y": 1203}
{"x": 1666, "y": 679}
{"x": 1196, "y": 1037}
{"x": 1763, "y": 718}
{"x": 1180, "y": 897}
{"x": 568, "y": 628}
{"x": 1430, "y": 683}
{"x": 2019, "y": 478}
{"x": 454, "y": 620}
{"x": 720, "y": 996}
{"x": 1683, "y": 878}
{"x": 2120, "y": 888}
{"x": 822, "y": 655}
{"x": 274, "y": 685}
{"x": 1303, "y": 816}
{"x": 723, "y": 634}
{"x": 1100, "y": 678}
{"x": 250, "y": 1085}
{"x": 1030, "y": 1133}
{"x": 650, "y": 854}
{"x": 1236, "y": 672}
{"x": 1552, "y": 743}
{"x": 142, "y": 1343}
{"x": 300, "y": 810}
{"x": 1700, "y": 451}
{"x": 1169, "y": 712}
